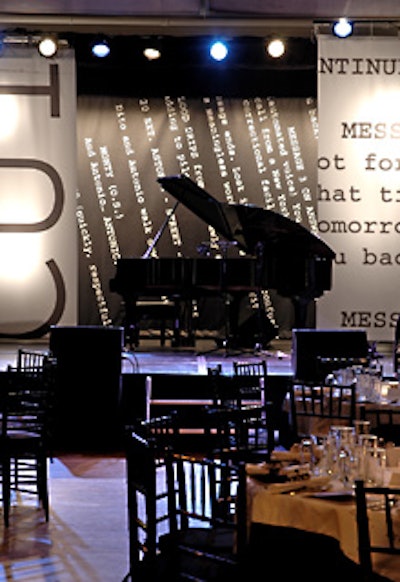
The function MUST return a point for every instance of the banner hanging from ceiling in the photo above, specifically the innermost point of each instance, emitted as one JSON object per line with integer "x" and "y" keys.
{"x": 38, "y": 234}
{"x": 358, "y": 196}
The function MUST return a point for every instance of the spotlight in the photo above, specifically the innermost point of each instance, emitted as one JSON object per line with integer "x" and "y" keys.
{"x": 276, "y": 48}
{"x": 342, "y": 28}
{"x": 47, "y": 47}
{"x": 101, "y": 49}
{"x": 219, "y": 51}
{"x": 152, "y": 53}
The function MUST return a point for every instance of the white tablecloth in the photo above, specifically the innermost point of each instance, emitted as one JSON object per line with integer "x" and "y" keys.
{"x": 333, "y": 518}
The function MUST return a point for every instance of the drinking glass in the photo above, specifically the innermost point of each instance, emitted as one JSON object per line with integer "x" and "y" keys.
{"x": 325, "y": 457}
{"x": 307, "y": 451}
{"x": 346, "y": 461}
{"x": 362, "y": 427}
{"x": 365, "y": 445}
{"x": 368, "y": 441}
{"x": 343, "y": 436}
{"x": 365, "y": 387}
{"x": 375, "y": 465}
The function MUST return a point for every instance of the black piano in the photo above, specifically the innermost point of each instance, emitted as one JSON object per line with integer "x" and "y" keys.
{"x": 281, "y": 255}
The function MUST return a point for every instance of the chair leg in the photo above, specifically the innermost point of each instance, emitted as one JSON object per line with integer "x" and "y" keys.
{"x": 6, "y": 467}
{"x": 42, "y": 484}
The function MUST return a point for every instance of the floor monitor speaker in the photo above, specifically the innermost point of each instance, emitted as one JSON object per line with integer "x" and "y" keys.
{"x": 88, "y": 386}
{"x": 311, "y": 348}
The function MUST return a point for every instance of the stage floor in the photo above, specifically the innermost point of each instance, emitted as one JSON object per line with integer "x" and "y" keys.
{"x": 151, "y": 358}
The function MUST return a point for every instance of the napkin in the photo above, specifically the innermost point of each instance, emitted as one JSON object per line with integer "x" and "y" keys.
{"x": 285, "y": 456}
{"x": 257, "y": 468}
{"x": 311, "y": 484}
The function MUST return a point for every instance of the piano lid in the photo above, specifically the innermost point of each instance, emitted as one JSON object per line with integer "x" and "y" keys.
{"x": 248, "y": 225}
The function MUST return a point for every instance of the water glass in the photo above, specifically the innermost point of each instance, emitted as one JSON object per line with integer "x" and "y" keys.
{"x": 344, "y": 376}
{"x": 347, "y": 467}
{"x": 344, "y": 460}
{"x": 343, "y": 436}
{"x": 375, "y": 465}
{"x": 365, "y": 445}
{"x": 365, "y": 387}
{"x": 368, "y": 441}
{"x": 361, "y": 427}
{"x": 307, "y": 451}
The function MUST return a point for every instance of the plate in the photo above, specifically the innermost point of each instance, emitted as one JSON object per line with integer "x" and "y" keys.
{"x": 334, "y": 495}
{"x": 270, "y": 478}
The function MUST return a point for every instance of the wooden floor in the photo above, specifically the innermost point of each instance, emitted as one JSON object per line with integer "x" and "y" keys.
{"x": 86, "y": 538}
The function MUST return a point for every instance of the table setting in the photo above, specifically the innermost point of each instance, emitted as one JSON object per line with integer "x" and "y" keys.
{"x": 332, "y": 462}
{"x": 311, "y": 487}
{"x": 372, "y": 386}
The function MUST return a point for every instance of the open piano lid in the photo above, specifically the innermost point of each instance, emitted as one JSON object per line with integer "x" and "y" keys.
{"x": 246, "y": 224}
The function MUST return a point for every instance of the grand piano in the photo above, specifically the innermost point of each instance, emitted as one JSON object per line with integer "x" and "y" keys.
{"x": 280, "y": 254}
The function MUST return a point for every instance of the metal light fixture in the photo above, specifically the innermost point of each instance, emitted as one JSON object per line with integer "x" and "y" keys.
{"x": 342, "y": 28}
{"x": 219, "y": 50}
{"x": 101, "y": 49}
{"x": 276, "y": 48}
{"x": 47, "y": 46}
{"x": 152, "y": 53}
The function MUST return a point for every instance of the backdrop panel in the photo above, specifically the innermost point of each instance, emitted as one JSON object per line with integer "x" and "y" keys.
{"x": 358, "y": 190}
{"x": 252, "y": 150}
{"x": 38, "y": 236}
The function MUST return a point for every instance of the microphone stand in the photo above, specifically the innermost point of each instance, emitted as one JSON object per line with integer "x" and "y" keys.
{"x": 226, "y": 342}
{"x": 131, "y": 311}
{"x": 149, "y": 249}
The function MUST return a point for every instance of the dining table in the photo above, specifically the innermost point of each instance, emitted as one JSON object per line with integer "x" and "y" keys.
{"x": 313, "y": 509}
{"x": 371, "y": 392}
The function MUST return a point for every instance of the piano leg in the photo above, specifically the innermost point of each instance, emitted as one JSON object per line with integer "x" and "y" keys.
{"x": 131, "y": 324}
{"x": 301, "y": 316}
{"x": 184, "y": 320}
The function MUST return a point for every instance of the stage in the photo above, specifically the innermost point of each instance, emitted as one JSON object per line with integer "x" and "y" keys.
{"x": 151, "y": 358}
{"x": 101, "y": 388}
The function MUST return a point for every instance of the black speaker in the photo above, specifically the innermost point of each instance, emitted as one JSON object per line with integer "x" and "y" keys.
{"x": 88, "y": 386}
{"x": 312, "y": 348}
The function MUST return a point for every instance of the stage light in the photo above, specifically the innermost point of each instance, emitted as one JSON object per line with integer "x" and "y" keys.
{"x": 276, "y": 48}
{"x": 47, "y": 46}
{"x": 342, "y": 28}
{"x": 101, "y": 49}
{"x": 219, "y": 51}
{"x": 152, "y": 53}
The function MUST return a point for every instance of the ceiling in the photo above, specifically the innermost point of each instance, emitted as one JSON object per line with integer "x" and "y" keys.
{"x": 174, "y": 17}
{"x": 183, "y": 21}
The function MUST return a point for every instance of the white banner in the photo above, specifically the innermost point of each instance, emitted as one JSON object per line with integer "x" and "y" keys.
{"x": 359, "y": 188}
{"x": 38, "y": 234}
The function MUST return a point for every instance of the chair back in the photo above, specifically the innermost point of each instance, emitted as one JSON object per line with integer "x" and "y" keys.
{"x": 384, "y": 421}
{"x": 247, "y": 414}
{"x": 208, "y": 511}
{"x": 162, "y": 430}
{"x": 315, "y": 407}
{"x": 146, "y": 446}
{"x": 383, "y": 498}
{"x": 26, "y": 401}
{"x": 31, "y": 359}
{"x": 250, "y": 367}
{"x": 253, "y": 382}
